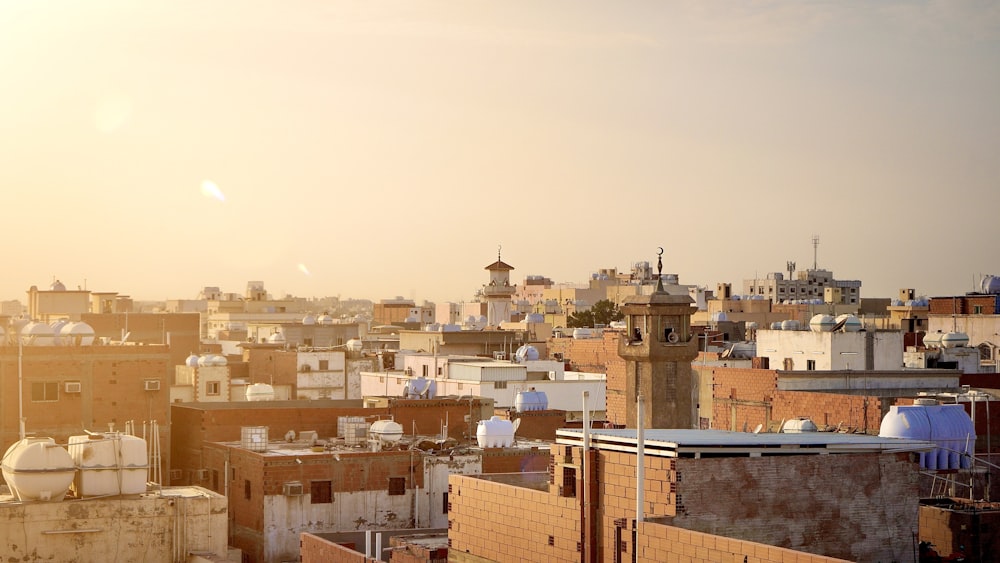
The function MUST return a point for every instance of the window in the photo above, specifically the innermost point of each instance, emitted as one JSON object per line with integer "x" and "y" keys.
{"x": 397, "y": 486}
{"x": 215, "y": 480}
{"x": 213, "y": 388}
{"x": 324, "y": 365}
{"x": 445, "y": 507}
{"x": 811, "y": 365}
{"x": 977, "y": 309}
{"x": 246, "y": 489}
{"x": 439, "y": 370}
{"x": 320, "y": 492}
{"x": 45, "y": 391}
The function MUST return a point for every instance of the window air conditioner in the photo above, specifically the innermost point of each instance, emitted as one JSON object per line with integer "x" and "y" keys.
{"x": 291, "y": 489}
{"x": 151, "y": 385}
{"x": 73, "y": 387}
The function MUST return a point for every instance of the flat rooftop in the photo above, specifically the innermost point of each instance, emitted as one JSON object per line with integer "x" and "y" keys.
{"x": 721, "y": 443}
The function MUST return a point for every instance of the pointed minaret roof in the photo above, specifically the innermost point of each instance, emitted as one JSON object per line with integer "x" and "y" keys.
{"x": 499, "y": 265}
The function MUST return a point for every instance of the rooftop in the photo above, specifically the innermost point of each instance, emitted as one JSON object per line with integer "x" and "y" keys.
{"x": 721, "y": 443}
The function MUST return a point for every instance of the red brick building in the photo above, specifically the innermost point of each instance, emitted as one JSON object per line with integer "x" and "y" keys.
{"x": 706, "y": 495}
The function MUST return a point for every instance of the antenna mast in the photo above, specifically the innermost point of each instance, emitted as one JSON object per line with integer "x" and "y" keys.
{"x": 815, "y": 251}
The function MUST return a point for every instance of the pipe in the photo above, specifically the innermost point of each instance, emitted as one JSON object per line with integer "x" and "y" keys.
{"x": 640, "y": 471}
{"x": 586, "y": 472}
{"x": 20, "y": 383}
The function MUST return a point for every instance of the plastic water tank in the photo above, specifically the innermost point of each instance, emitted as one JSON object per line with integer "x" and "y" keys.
{"x": 191, "y": 361}
{"x": 420, "y": 388}
{"x": 38, "y": 469}
{"x": 582, "y": 333}
{"x": 354, "y": 345}
{"x": 948, "y": 426}
{"x": 386, "y": 431}
{"x": 260, "y": 392}
{"x": 111, "y": 464}
{"x": 851, "y": 323}
{"x": 495, "y": 433}
{"x": 990, "y": 284}
{"x": 933, "y": 339}
{"x": 799, "y": 425}
{"x": 954, "y": 340}
{"x": 526, "y": 353}
{"x": 821, "y": 323}
{"x": 790, "y": 324}
{"x": 531, "y": 401}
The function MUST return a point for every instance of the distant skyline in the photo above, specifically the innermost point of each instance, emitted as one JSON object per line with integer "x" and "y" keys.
{"x": 376, "y": 149}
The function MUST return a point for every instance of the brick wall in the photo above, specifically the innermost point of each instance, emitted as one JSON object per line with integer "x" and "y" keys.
{"x": 859, "y": 507}
{"x": 514, "y": 460}
{"x": 616, "y": 491}
{"x": 853, "y": 413}
{"x": 315, "y": 549}
{"x": 959, "y": 526}
{"x": 658, "y": 542}
{"x": 409, "y": 551}
{"x": 741, "y": 397}
{"x": 511, "y": 521}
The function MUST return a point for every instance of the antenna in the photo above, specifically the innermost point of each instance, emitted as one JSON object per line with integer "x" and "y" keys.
{"x": 815, "y": 251}
{"x": 790, "y": 266}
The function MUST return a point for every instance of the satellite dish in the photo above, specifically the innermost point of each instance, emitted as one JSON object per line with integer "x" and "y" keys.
{"x": 758, "y": 429}
{"x": 517, "y": 422}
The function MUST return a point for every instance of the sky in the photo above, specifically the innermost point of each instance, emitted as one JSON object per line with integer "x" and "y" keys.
{"x": 377, "y": 149}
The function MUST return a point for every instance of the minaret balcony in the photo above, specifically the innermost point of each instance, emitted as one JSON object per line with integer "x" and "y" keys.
{"x": 499, "y": 290}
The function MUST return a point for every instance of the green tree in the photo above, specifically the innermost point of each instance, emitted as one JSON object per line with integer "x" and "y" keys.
{"x": 603, "y": 312}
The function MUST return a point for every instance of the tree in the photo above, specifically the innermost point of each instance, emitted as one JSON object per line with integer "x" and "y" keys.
{"x": 603, "y": 312}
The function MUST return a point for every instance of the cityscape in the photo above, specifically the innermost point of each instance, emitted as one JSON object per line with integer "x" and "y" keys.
{"x": 425, "y": 281}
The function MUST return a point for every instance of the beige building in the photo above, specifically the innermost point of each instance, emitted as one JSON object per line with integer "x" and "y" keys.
{"x": 810, "y": 284}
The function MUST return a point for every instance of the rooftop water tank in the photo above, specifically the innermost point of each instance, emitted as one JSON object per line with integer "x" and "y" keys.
{"x": 354, "y": 345}
{"x": 798, "y": 425}
{"x": 420, "y": 388}
{"x": 531, "y": 401}
{"x": 386, "y": 431}
{"x": 582, "y": 333}
{"x": 948, "y": 426}
{"x": 451, "y": 327}
{"x": 433, "y": 327}
{"x": 535, "y": 318}
{"x": 352, "y": 429}
{"x": 776, "y": 325}
{"x": 526, "y": 353}
{"x": 254, "y": 438}
{"x": 933, "y": 339}
{"x": 990, "y": 284}
{"x": 276, "y": 338}
{"x": 954, "y": 340}
{"x": 495, "y": 433}
{"x": 325, "y": 319}
{"x": 790, "y": 324}
{"x": 38, "y": 334}
{"x": 821, "y": 323}
{"x": 260, "y": 392}
{"x": 191, "y": 361}
{"x": 851, "y": 323}
{"x": 109, "y": 464}
{"x": 38, "y": 469}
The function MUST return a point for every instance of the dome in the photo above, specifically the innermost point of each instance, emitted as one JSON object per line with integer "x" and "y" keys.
{"x": 308, "y": 320}
{"x": 191, "y": 361}
{"x": 821, "y": 323}
{"x": 57, "y": 286}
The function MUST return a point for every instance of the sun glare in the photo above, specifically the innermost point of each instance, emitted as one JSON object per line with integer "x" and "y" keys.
{"x": 209, "y": 189}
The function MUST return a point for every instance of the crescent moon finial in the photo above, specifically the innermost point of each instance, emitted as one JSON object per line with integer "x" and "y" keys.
{"x": 660, "y": 253}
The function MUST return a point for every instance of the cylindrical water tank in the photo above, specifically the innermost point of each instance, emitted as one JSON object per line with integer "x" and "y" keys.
{"x": 851, "y": 323}
{"x": 582, "y": 333}
{"x": 386, "y": 431}
{"x": 799, "y": 425}
{"x": 354, "y": 345}
{"x": 260, "y": 392}
{"x": 790, "y": 324}
{"x": 531, "y": 401}
{"x": 191, "y": 361}
{"x": 111, "y": 464}
{"x": 933, "y": 339}
{"x": 947, "y": 426}
{"x": 495, "y": 433}
{"x": 821, "y": 323}
{"x": 954, "y": 340}
{"x": 38, "y": 469}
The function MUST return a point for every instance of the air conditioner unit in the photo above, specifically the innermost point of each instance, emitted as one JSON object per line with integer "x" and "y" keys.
{"x": 73, "y": 387}
{"x": 151, "y": 385}
{"x": 292, "y": 489}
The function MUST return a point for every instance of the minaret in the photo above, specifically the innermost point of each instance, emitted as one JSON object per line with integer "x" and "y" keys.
{"x": 498, "y": 292}
{"x": 658, "y": 349}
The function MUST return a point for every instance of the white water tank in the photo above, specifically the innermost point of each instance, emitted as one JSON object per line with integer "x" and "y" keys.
{"x": 527, "y": 353}
{"x": 354, "y": 345}
{"x": 790, "y": 324}
{"x": 191, "y": 361}
{"x": 933, "y": 339}
{"x": 109, "y": 464}
{"x": 851, "y": 323}
{"x": 260, "y": 392}
{"x": 420, "y": 388}
{"x": 386, "y": 431}
{"x": 77, "y": 334}
{"x": 38, "y": 469}
{"x": 798, "y": 426}
{"x": 531, "y": 401}
{"x": 582, "y": 333}
{"x": 948, "y": 426}
{"x": 822, "y": 323}
{"x": 954, "y": 340}
{"x": 495, "y": 433}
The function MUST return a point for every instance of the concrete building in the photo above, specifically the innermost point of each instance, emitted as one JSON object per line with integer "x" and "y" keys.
{"x": 810, "y": 284}
{"x": 823, "y": 349}
{"x": 308, "y": 372}
{"x": 401, "y": 311}
{"x": 586, "y": 507}
{"x": 164, "y": 526}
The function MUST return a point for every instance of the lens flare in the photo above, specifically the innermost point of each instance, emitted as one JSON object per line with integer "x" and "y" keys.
{"x": 303, "y": 269}
{"x": 111, "y": 113}
{"x": 209, "y": 189}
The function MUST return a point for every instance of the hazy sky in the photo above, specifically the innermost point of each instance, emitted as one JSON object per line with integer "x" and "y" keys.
{"x": 374, "y": 149}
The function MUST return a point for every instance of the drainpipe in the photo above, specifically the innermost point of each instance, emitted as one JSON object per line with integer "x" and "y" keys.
{"x": 640, "y": 472}
{"x": 585, "y": 465}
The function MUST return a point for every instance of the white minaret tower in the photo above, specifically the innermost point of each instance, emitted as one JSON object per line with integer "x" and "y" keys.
{"x": 498, "y": 293}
